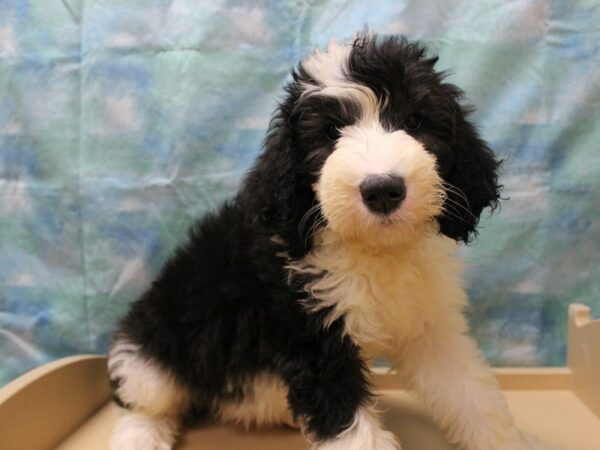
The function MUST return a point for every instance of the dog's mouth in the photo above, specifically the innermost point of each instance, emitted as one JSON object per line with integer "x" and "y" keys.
{"x": 387, "y": 222}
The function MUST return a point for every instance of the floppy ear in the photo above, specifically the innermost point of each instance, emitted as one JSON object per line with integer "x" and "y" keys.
{"x": 276, "y": 195}
{"x": 471, "y": 184}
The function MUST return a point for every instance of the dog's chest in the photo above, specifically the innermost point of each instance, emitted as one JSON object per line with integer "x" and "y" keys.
{"x": 383, "y": 297}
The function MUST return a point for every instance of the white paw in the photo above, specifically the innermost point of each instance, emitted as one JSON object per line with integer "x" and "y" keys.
{"x": 365, "y": 433}
{"x": 136, "y": 431}
{"x": 384, "y": 440}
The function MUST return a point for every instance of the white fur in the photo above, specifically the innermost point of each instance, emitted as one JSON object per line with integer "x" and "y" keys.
{"x": 365, "y": 433}
{"x": 265, "y": 403}
{"x": 140, "y": 431}
{"x": 155, "y": 398}
{"x": 143, "y": 384}
{"x": 387, "y": 295}
{"x": 329, "y": 68}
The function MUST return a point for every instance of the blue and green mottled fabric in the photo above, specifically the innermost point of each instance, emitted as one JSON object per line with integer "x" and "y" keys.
{"x": 122, "y": 120}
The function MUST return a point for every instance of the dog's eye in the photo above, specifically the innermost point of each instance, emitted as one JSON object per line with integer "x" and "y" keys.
{"x": 412, "y": 123}
{"x": 333, "y": 132}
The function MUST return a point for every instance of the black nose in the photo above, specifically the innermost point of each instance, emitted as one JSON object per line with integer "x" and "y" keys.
{"x": 382, "y": 194}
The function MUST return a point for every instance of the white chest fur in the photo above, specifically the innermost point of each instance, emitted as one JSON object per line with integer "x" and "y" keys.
{"x": 386, "y": 295}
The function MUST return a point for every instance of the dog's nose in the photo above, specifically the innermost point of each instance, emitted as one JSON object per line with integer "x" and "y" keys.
{"x": 382, "y": 194}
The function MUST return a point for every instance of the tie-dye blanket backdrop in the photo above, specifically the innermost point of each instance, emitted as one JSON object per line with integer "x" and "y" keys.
{"x": 122, "y": 120}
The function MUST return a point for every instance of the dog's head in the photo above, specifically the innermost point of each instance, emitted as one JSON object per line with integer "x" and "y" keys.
{"x": 373, "y": 144}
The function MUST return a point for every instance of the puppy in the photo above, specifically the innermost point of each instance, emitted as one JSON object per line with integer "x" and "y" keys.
{"x": 340, "y": 245}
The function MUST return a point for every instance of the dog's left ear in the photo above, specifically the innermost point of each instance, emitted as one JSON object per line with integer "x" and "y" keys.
{"x": 276, "y": 195}
{"x": 471, "y": 184}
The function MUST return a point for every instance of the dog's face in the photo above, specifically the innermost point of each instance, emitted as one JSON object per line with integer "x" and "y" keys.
{"x": 371, "y": 143}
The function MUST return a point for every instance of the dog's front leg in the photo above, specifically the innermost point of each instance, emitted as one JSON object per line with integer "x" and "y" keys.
{"x": 328, "y": 394}
{"x": 446, "y": 370}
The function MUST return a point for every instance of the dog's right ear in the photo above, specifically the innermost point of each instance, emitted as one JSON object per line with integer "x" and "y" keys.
{"x": 472, "y": 180}
{"x": 275, "y": 195}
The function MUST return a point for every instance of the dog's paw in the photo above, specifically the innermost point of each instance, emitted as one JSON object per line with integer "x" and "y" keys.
{"x": 365, "y": 433}
{"x": 140, "y": 432}
{"x": 381, "y": 440}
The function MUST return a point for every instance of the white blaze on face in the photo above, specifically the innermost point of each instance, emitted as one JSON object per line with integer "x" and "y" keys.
{"x": 329, "y": 69}
{"x": 368, "y": 149}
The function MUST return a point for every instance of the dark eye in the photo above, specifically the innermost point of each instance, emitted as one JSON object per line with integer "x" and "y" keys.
{"x": 412, "y": 123}
{"x": 333, "y": 133}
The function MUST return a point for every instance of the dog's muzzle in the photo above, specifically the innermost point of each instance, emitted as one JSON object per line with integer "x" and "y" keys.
{"x": 383, "y": 194}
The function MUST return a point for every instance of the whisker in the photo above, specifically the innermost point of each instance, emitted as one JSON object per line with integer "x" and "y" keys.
{"x": 306, "y": 217}
{"x": 462, "y": 207}
{"x": 313, "y": 229}
{"x": 452, "y": 188}
{"x": 453, "y": 213}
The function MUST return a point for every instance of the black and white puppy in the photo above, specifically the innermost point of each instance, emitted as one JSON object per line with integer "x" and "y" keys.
{"x": 340, "y": 245}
